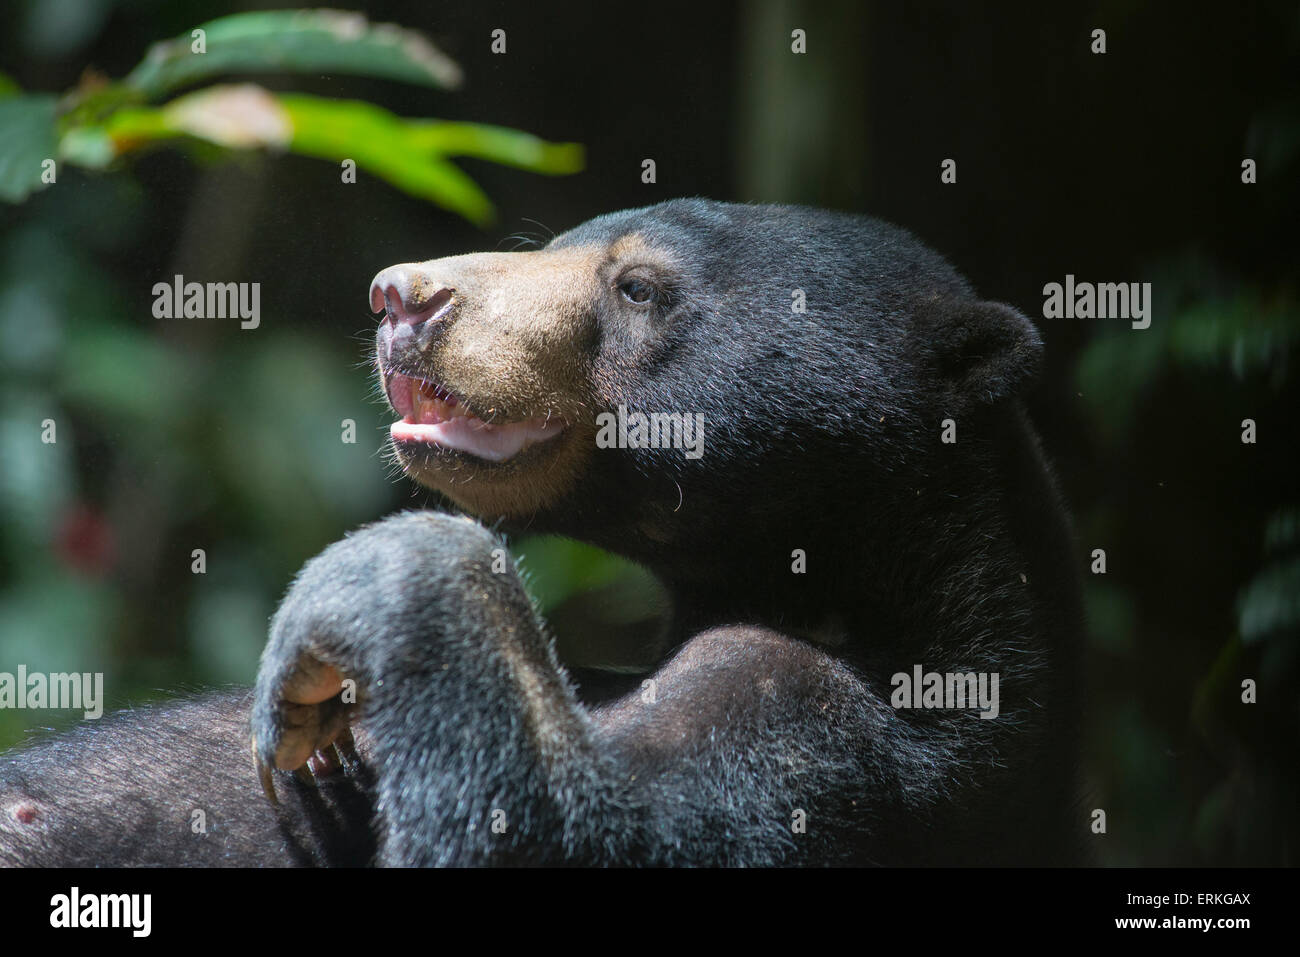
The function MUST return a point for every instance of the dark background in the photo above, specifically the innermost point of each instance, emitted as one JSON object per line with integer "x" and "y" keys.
{"x": 1120, "y": 167}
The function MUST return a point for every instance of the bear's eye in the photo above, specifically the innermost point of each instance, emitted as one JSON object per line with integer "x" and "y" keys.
{"x": 637, "y": 291}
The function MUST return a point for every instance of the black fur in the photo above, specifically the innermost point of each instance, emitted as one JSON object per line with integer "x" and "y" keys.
{"x": 823, "y": 434}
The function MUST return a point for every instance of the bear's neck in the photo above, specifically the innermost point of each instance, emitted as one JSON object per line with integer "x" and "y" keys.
{"x": 965, "y": 554}
{"x": 967, "y": 557}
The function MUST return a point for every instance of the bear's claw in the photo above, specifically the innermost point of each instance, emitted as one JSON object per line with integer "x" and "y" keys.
{"x": 307, "y": 730}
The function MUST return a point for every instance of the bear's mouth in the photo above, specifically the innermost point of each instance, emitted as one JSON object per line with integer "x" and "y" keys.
{"x": 435, "y": 416}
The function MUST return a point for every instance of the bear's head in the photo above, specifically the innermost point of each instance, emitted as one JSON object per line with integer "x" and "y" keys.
{"x": 659, "y": 375}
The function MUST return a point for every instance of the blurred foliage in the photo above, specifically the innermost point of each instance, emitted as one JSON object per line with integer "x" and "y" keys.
{"x": 101, "y": 121}
{"x": 1217, "y": 782}
{"x": 1270, "y": 604}
{"x": 604, "y": 611}
{"x": 294, "y": 41}
{"x": 180, "y": 447}
{"x": 1247, "y": 334}
{"x": 164, "y": 441}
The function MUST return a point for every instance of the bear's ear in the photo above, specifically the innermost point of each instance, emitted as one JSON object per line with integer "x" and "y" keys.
{"x": 985, "y": 351}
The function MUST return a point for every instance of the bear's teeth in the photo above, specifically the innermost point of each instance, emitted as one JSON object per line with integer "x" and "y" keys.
{"x": 431, "y": 404}
{"x": 431, "y": 390}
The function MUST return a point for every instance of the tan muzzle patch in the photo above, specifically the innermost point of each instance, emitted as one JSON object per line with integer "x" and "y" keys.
{"x": 486, "y": 360}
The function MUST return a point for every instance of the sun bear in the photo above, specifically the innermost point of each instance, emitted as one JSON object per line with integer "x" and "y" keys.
{"x": 807, "y": 426}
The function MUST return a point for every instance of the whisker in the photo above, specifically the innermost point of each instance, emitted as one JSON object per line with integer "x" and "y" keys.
{"x": 541, "y": 224}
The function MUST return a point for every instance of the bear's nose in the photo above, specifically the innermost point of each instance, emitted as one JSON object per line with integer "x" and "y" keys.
{"x": 416, "y": 307}
{"x": 408, "y": 297}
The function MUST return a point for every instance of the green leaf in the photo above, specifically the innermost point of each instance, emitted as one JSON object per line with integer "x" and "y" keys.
{"x": 380, "y": 144}
{"x": 294, "y": 41}
{"x": 498, "y": 144}
{"x": 87, "y": 146}
{"x": 27, "y": 139}
{"x": 410, "y": 154}
{"x": 556, "y": 569}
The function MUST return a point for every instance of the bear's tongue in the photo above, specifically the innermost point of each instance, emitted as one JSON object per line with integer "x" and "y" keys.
{"x": 433, "y": 415}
